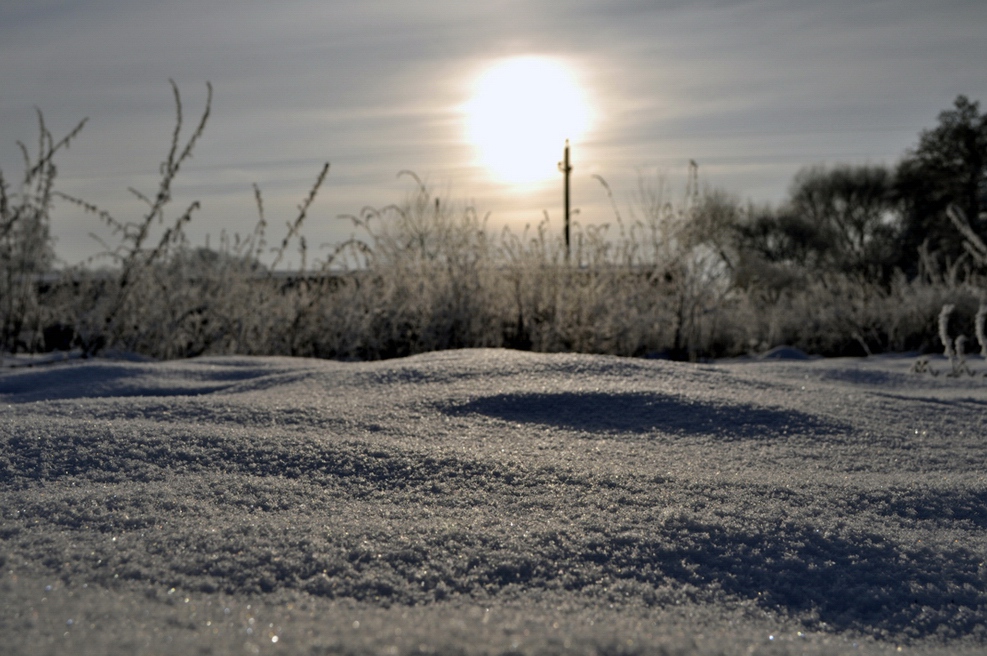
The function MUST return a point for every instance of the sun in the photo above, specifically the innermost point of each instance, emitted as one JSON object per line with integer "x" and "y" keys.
{"x": 520, "y": 113}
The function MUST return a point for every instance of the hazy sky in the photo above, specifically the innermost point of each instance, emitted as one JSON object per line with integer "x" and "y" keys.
{"x": 752, "y": 91}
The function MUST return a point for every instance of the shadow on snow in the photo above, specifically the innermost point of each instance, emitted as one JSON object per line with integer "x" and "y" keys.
{"x": 641, "y": 412}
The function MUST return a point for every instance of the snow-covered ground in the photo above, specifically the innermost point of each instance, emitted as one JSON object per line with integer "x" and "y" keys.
{"x": 491, "y": 501}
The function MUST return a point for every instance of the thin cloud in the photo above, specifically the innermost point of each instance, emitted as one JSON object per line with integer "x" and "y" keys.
{"x": 373, "y": 87}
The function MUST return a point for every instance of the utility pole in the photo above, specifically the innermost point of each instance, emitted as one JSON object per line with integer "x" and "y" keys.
{"x": 566, "y": 170}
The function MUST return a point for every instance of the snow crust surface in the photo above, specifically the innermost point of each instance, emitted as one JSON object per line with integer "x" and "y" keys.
{"x": 828, "y": 498}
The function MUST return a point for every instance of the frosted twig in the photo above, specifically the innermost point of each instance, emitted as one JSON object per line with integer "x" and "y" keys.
{"x": 944, "y": 331}
{"x": 979, "y": 322}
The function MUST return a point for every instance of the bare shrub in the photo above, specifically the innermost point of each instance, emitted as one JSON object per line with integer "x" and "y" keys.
{"x": 26, "y": 249}
{"x": 692, "y": 277}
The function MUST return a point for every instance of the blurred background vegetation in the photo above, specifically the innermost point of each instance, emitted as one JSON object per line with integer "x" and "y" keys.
{"x": 857, "y": 260}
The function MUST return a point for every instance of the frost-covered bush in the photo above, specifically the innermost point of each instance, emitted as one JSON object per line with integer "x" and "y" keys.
{"x": 687, "y": 277}
{"x": 26, "y": 248}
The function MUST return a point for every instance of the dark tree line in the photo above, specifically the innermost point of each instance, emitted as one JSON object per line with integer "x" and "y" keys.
{"x": 873, "y": 220}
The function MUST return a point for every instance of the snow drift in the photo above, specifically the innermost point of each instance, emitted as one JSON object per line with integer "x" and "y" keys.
{"x": 828, "y": 498}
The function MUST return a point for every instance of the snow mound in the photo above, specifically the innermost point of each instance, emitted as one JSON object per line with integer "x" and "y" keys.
{"x": 842, "y": 496}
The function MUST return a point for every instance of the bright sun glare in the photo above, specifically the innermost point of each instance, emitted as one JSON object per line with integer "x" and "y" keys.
{"x": 520, "y": 114}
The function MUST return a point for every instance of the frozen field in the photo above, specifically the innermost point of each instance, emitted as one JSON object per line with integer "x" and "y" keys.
{"x": 491, "y": 501}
